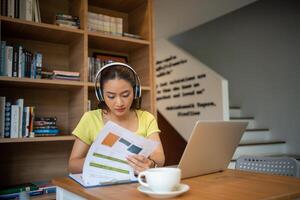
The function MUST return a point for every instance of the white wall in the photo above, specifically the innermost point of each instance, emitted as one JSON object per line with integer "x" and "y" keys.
{"x": 257, "y": 49}
{"x": 214, "y": 89}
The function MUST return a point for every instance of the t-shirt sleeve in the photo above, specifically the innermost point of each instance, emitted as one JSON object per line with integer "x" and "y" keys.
{"x": 152, "y": 124}
{"x": 82, "y": 130}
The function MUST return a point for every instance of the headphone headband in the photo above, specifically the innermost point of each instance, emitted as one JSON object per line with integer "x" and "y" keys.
{"x": 137, "y": 88}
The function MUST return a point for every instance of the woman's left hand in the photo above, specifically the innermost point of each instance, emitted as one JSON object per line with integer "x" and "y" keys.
{"x": 139, "y": 163}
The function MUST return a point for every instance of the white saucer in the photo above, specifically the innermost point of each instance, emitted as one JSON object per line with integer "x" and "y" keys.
{"x": 181, "y": 188}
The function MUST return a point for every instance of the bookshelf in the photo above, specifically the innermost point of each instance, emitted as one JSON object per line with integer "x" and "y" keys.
{"x": 43, "y": 158}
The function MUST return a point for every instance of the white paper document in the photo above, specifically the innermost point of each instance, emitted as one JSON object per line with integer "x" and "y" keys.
{"x": 106, "y": 161}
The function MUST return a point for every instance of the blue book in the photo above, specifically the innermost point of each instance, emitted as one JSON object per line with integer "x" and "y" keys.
{"x": 3, "y": 71}
{"x": 42, "y": 131}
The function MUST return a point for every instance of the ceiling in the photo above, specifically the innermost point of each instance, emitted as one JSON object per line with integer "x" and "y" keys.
{"x": 176, "y": 16}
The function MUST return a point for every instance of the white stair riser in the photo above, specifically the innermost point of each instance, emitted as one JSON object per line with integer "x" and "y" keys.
{"x": 251, "y": 123}
{"x": 235, "y": 113}
{"x": 255, "y": 136}
{"x": 259, "y": 150}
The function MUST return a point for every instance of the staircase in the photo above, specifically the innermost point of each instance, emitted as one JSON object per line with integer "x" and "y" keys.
{"x": 256, "y": 140}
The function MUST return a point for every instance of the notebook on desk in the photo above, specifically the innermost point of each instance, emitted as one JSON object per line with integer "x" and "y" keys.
{"x": 78, "y": 179}
{"x": 210, "y": 147}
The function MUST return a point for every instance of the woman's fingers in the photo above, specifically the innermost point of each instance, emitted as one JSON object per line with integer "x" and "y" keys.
{"x": 138, "y": 162}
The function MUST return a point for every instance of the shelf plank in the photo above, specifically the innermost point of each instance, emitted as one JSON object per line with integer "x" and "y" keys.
{"x": 113, "y": 43}
{"x": 40, "y": 83}
{"x": 37, "y": 139}
{"x": 118, "y": 5}
{"x": 38, "y": 31}
{"x": 92, "y": 86}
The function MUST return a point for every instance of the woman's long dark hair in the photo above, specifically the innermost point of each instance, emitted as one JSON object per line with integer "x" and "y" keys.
{"x": 119, "y": 72}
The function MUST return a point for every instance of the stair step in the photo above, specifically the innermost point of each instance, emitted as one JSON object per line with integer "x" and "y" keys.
{"x": 261, "y": 143}
{"x": 297, "y": 157}
{"x": 235, "y": 112}
{"x": 235, "y": 107}
{"x": 241, "y": 118}
{"x": 250, "y": 120}
{"x": 257, "y": 130}
{"x": 254, "y": 135}
{"x": 260, "y": 148}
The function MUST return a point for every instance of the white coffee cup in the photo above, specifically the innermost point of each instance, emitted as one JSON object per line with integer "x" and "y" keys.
{"x": 164, "y": 179}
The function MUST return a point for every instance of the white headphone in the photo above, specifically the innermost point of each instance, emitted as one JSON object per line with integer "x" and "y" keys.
{"x": 137, "y": 88}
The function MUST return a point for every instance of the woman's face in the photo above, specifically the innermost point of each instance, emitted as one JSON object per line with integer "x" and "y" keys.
{"x": 118, "y": 96}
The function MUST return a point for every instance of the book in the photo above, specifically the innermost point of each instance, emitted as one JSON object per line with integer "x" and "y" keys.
{"x": 20, "y": 103}
{"x": 65, "y": 73}
{"x": 18, "y": 188}
{"x": 132, "y": 35}
{"x": 7, "y": 119}
{"x": 110, "y": 58}
{"x": 14, "y": 124}
{"x": 8, "y": 60}
{"x": 3, "y": 70}
{"x": 2, "y": 115}
{"x": 38, "y": 59}
{"x": 46, "y": 186}
{"x": 17, "y": 194}
{"x": 15, "y": 62}
{"x": 106, "y": 162}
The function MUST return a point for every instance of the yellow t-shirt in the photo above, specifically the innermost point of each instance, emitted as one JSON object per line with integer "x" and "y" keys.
{"x": 91, "y": 123}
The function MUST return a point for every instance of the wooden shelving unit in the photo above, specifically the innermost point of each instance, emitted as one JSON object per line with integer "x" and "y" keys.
{"x": 38, "y": 139}
{"x": 43, "y": 158}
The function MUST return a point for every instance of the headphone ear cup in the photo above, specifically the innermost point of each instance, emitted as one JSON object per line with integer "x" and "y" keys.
{"x": 137, "y": 92}
{"x": 100, "y": 95}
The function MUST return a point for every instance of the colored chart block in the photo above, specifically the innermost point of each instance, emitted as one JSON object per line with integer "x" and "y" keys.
{"x": 110, "y": 139}
{"x": 135, "y": 149}
{"x": 122, "y": 140}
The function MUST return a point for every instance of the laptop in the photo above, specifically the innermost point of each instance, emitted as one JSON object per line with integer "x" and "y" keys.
{"x": 210, "y": 147}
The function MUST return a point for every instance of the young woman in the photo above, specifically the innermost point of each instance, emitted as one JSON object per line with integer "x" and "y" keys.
{"x": 119, "y": 97}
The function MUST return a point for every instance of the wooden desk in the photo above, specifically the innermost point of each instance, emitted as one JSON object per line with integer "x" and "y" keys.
{"x": 230, "y": 184}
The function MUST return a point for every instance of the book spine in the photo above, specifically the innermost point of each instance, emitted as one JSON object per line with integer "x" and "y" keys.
{"x": 2, "y": 116}
{"x": 28, "y": 12}
{"x": 33, "y": 68}
{"x": 4, "y": 7}
{"x": 20, "y": 51}
{"x": 23, "y": 9}
{"x": 2, "y": 60}
{"x": 17, "y": 8}
{"x": 15, "y": 64}
{"x": 9, "y": 60}
{"x": 27, "y": 120}
{"x": 7, "y": 119}
{"x": 47, "y": 119}
{"x": 31, "y": 119}
{"x": 14, "y": 126}
{"x": 23, "y": 63}
{"x": 38, "y": 60}
{"x": 11, "y": 8}
{"x": 20, "y": 103}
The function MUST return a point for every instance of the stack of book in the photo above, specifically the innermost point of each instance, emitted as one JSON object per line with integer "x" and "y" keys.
{"x": 104, "y": 23}
{"x": 16, "y": 61}
{"x": 22, "y": 9}
{"x": 68, "y": 21}
{"x": 30, "y": 189}
{"x": 99, "y": 60}
{"x": 16, "y": 120}
{"x": 66, "y": 75}
{"x": 45, "y": 126}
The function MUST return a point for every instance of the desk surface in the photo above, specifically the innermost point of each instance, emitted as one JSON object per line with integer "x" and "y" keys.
{"x": 230, "y": 184}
